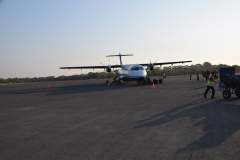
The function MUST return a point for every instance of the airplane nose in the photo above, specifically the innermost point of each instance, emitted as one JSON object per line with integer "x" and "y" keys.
{"x": 143, "y": 73}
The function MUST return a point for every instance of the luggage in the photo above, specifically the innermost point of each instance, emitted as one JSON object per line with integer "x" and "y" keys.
{"x": 155, "y": 81}
{"x": 231, "y": 82}
{"x": 160, "y": 81}
{"x": 222, "y": 85}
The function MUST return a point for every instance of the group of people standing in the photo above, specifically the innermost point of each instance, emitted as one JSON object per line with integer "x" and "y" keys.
{"x": 206, "y": 74}
{"x": 191, "y": 75}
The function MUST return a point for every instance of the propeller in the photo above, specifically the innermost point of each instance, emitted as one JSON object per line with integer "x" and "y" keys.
{"x": 150, "y": 66}
{"x": 108, "y": 68}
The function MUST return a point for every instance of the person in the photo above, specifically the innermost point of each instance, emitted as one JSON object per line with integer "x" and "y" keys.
{"x": 203, "y": 74}
{"x": 115, "y": 78}
{"x": 190, "y": 75}
{"x": 216, "y": 76}
{"x": 210, "y": 85}
{"x": 207, "y": 74}
{"x": 164, "y": 75}
{"x": 197, "y": 77}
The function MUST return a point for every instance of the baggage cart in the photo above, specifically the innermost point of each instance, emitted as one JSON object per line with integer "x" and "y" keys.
{"x": 229, "y": 82}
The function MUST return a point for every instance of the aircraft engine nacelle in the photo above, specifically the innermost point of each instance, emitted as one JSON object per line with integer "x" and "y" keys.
{"x": 108, "y": 69}
{"x": 150, "y": 67}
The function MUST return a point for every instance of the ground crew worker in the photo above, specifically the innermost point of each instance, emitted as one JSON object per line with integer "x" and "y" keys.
{"x": 164, "y": 75}
{"x": 203, "y": 74}
{"x": 207, "y": 74}
{"x": 216, "y": 75}
{"x": 115, "y": 78}
{"x": 210, "y": 85}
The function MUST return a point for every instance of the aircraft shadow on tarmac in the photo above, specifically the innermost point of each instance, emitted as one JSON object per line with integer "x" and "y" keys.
{"x": 71, "y": 89}
{"x": 221, "y": 121}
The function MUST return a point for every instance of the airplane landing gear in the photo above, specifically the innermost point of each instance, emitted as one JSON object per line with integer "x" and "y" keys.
{"x": 115, "y": 80}
{"x": 139, "y": 83}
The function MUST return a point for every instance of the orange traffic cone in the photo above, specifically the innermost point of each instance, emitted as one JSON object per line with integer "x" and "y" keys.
{"x": 108, "y": 84}
{"x": 153, "y": 86}
{"x": 49, "y": 86}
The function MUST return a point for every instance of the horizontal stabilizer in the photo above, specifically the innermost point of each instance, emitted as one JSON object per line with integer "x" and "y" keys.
{"x": 120, "y": 55}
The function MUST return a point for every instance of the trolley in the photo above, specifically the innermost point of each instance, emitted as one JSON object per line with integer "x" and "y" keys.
{"x": 229, "y": 82}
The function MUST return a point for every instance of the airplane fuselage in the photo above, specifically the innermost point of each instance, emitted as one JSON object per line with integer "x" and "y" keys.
{"x": 132, "y": 72}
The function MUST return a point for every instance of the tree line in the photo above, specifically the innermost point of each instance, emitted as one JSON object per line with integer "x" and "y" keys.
{"x": 170, "y": 71}
{"x": 194, "y": 69}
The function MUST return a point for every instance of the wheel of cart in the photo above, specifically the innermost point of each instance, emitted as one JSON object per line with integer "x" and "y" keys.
{"x": 226, "y": 94}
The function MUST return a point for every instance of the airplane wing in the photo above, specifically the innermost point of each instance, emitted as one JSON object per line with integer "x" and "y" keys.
{"x": 164, "y": 63}
{"x": 91, "y": 67}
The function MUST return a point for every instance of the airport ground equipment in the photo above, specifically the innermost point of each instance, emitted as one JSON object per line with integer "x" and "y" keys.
{"x": 229, "y": 82}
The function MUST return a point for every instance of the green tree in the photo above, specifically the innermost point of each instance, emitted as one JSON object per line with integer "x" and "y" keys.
{"x": 207, "y": 65}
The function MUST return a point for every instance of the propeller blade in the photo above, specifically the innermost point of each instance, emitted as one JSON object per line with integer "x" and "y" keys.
{"x": 155, "y": 61}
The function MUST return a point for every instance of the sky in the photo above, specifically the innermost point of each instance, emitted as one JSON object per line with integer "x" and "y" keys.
{"x": 39, "y": 37}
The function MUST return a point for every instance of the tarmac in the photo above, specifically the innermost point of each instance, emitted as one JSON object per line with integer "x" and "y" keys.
{"x": 86, "y": 119}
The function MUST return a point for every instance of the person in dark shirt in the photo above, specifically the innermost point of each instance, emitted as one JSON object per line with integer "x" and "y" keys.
{"x": 207, "y": 74}
{"x": 164, "y": 75}
{"x": 203, "y": 74}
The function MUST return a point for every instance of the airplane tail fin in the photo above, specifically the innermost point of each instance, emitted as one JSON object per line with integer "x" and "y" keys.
{"x": 120, "y": 56}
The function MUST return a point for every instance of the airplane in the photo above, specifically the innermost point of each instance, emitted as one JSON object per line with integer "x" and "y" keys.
{"x": 129, "y": 72}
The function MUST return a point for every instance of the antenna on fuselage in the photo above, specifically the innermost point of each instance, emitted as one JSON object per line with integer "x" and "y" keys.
{"x": 120, "y": 56}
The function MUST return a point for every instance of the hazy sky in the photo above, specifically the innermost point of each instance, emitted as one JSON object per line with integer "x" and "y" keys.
{"x": 38, "y": 37}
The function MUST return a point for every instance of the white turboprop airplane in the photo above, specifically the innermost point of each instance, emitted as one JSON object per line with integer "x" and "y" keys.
{"x": 129, "y": 72}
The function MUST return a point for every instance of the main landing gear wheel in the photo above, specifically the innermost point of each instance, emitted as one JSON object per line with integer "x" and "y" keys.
{"x": 226, "y": 94}
{"x": 144, "y": 82}
{"x": 139, "y": 83}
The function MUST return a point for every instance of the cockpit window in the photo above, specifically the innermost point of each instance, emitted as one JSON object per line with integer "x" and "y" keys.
{"x": 137, "y": 68}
